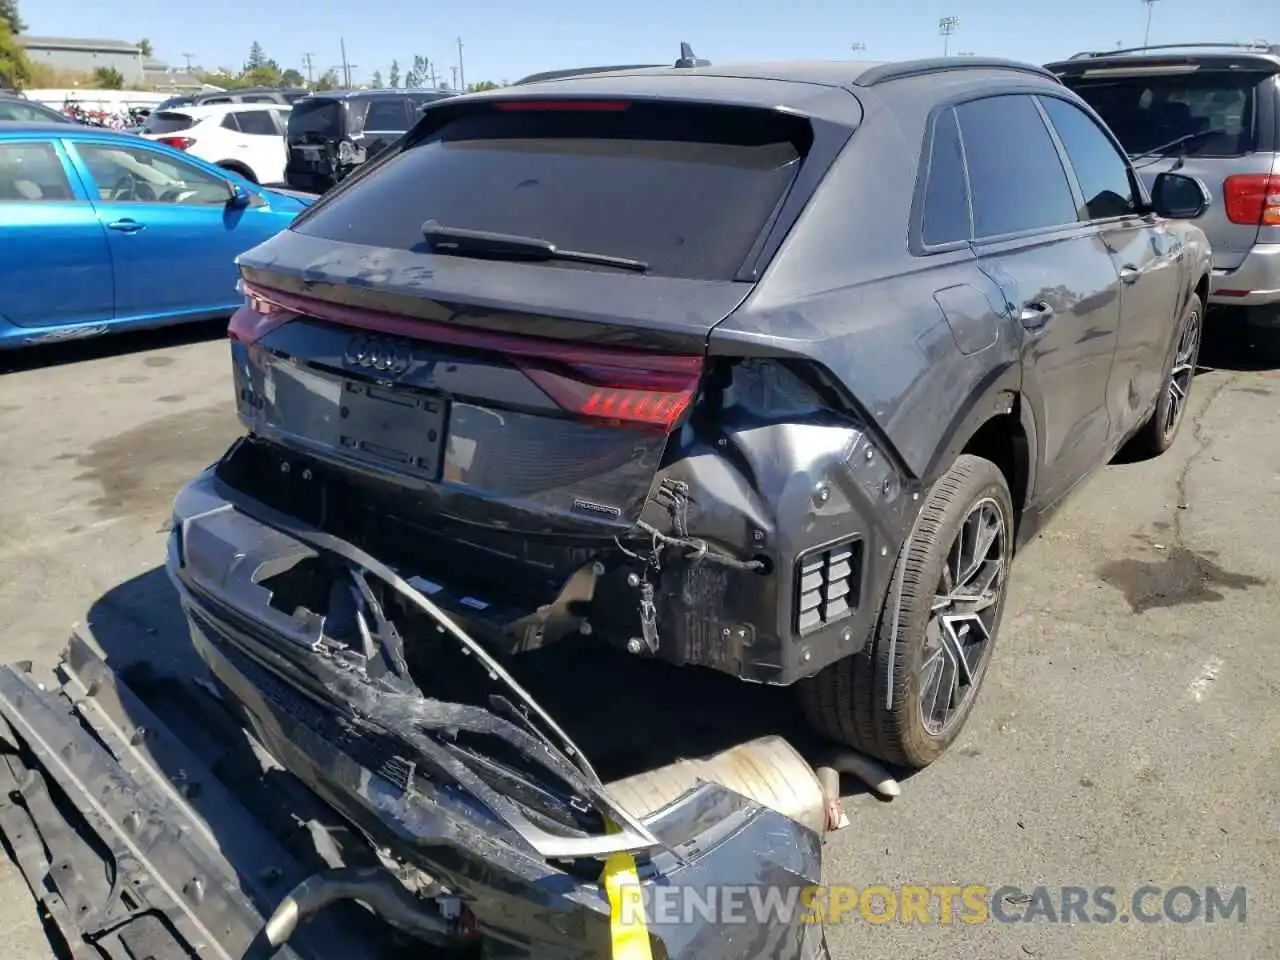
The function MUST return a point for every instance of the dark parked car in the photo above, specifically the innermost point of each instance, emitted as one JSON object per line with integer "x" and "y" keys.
{"x": 286, "y": 95}
{"x": 766, "y": 368}
{"x": 1210, "y": 111}
{"x": 331, "y": 134}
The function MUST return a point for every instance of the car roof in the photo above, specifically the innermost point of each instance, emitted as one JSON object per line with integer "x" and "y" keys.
{"x": 202, "y": 110}
{"x": 17, "y": 128}
{"x": 1226, "y": 56}
{"x": 381, "y": 92}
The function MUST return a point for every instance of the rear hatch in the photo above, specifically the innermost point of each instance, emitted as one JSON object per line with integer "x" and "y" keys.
{"x": 316, "y": 125}
{"x": 1223, "y": 110}
{"x": 500, "y": 384}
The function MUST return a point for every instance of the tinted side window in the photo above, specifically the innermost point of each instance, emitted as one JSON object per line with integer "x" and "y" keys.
{"x": 231, "y": 122}
{"x": 946, "y": 194}
{"x": 1015, "y": 174}
{"x": 1102, "y": 172}
{"x": 258, "y": 98}
{"x": 257, "y": 122}
{"x": 387, "y": 115}
{"x": 31, "y": 172}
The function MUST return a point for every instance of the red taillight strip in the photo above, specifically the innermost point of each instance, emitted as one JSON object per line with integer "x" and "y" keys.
{"x": 635, "y": 387}
{"x": 583, "y": 106}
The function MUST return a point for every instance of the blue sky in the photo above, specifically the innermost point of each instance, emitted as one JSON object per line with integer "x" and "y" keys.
{"x": 505, "y": 39}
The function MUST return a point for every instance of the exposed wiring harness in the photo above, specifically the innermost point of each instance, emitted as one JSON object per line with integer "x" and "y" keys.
{"x": 698, "y": 549}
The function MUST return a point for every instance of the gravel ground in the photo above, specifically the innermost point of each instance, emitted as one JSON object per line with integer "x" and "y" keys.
{"x": 1128, "y": 734}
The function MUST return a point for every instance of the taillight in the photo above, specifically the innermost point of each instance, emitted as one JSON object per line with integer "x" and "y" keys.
{"x": 630, "y": 388}
{"x": 178, "y": 143}
{"x": 1252, "y": 199}
{"x": 257, "y": 316}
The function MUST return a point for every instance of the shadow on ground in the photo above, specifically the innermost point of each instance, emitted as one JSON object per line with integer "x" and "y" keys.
{"x": 112, "y": 345}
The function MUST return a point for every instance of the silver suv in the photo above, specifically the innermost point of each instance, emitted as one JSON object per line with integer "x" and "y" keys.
{"x": 1211, "y": 111}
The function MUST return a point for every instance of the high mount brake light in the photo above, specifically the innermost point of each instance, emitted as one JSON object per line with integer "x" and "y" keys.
{"x": 631, "y": 388}
{"x": 1253, "y": 199}
{"x": 178, "y": 143}
{"x": 563, "y": 106}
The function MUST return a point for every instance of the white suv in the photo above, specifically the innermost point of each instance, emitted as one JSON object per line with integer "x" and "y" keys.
{"x": 247, "y": 138}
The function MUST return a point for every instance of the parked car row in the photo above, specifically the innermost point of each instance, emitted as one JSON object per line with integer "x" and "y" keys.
{"x": 307, "y": 141}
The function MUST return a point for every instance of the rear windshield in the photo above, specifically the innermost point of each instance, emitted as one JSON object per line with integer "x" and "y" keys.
{"x": 166, "y": 121}
{"x": 321, "y": 118}
{"x": 1146, "y": 112}
{"x": 686, "y": 189}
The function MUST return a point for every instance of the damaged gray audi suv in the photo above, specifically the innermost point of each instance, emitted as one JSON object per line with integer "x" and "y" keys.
{"x": 764, "y": 368}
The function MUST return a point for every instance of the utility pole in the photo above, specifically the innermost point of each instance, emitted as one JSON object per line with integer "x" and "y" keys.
{"x": 1146, "y": 36}
{"x": 306, "y": 58}
{"x": 187, "y": 57}
{"x": 454, "y": 68}
{"x": 946, "y": 27}
{"x": 462, "y": 73}
{"x": 431, "y": 68}
{"x": 346, "y": 67}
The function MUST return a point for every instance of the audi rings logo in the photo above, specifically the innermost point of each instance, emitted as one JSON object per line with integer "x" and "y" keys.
{"x": 379, "y": 354}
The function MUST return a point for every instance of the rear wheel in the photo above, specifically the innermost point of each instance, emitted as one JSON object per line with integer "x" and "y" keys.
{"x": 1158, "y": 433}
{"x": 239, "y": 168}
{"x": 906, "y": 702}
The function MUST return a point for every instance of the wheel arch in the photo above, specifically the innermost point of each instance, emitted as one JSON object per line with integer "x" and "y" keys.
{"x": 236, "y": 166}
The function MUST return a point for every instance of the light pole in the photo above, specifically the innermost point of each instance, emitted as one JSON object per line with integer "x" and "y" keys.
{"x": 946, "y": 27}
{"x": 858, "y": 47}
{"x": 1146, "y": 36}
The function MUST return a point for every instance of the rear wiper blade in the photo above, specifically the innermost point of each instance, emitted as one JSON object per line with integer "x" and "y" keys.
{"x": 455, "y": 241}
{"x": 1164, "y": 148}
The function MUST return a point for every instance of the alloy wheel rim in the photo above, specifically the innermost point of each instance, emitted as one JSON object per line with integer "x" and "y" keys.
{"x": 961, "y": 626}
{"x": 1183, "y": 370}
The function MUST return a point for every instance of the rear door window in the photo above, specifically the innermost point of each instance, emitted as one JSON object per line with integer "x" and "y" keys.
{"x": 1146, "y": 112}
{"x": 316, "y": 119}
{"x": 1016, "y": 177}
{"x": 257, "y": 122}
{"x": 30, "y": 172}
{"x": 685, "y": 188}
{"x": 389, "y": 114}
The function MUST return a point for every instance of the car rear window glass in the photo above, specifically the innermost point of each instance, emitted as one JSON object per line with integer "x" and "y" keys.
{"x": 1146, "y": 112}
{"x": 322, "y": 118}
{"x": 1016, "y": 177}
{"x": 687, "y": 189}
{"x": 946, "y": 194}
{"x": 167, "y": 121}
{"x": 29, "y": 112}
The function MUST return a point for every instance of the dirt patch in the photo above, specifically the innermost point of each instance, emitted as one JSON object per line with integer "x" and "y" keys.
{"x": 1178, "y": 576}
{"x": 140, "y": 470}
{"x": 157, "y": 361}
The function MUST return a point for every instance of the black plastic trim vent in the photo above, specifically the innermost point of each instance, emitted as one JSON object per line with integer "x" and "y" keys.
{"x": 828, "y": 584}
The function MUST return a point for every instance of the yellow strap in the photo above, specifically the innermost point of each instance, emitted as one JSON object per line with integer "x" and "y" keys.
{"x": 628, "y": 933}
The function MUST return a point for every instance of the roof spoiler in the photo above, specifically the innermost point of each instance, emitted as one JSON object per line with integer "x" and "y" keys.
{"x": 1257, "y": 46}
{"x": 688, "y": 60}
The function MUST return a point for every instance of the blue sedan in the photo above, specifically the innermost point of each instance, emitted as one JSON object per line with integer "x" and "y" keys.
{"x": 105, "y": 231}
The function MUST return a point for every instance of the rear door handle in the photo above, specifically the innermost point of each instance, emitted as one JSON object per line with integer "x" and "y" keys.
{"x": 126, "y": 225}
{"x": 1036, "y": 315}
{"x": 1130, "y": 274}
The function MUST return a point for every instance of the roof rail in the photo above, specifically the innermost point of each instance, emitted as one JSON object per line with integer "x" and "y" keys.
{"x": 884, "y": 72}
{"x": 1258, "y": 46}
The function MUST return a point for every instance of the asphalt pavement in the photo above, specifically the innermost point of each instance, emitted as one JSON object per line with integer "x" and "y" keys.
{"x": 1127, "y": 735}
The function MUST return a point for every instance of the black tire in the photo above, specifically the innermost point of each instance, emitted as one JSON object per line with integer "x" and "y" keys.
{"x": 846, "y": 701}
{"x": 1158, "y": 434}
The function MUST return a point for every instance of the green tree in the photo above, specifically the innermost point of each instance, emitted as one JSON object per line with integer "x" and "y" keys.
{"x": 15, "y": 68}
{"x": 292, "y": 78}
{"x": 144, "y": 46}
{"x": 482, "y": 85}
{"x": 9, "y": 16}
{"x": 328, "y": 80}
{"x": 393, "y": 75}
{"x": 377, "y": 80}
{"x": 108, "y": 78}
{"x": 257, "y": 58}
